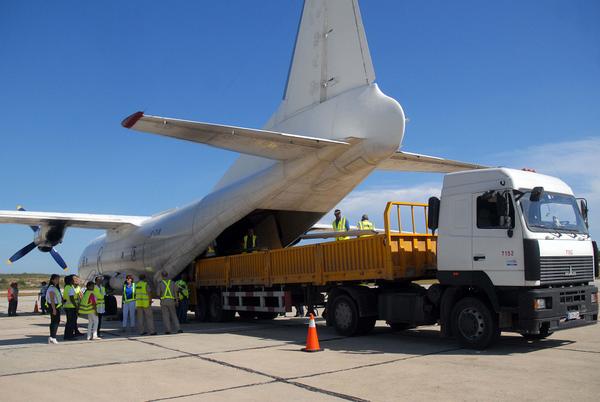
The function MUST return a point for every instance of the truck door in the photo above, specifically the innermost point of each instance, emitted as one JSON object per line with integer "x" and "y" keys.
{"x": 497, "y": 243}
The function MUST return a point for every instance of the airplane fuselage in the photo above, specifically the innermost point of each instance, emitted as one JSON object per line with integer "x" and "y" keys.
{"x": 301, "y": 190}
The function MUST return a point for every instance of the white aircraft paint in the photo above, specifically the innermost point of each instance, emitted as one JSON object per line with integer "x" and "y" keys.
{"x": 333, "y": 128}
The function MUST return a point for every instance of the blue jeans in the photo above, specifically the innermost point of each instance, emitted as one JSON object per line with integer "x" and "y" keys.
{"x": 182, "y": 310}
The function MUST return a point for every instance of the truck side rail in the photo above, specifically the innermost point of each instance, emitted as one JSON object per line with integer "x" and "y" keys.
{"x": 390, "y": 256}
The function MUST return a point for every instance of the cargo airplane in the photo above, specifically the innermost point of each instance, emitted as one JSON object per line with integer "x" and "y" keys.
{"x": 334, "y": 127}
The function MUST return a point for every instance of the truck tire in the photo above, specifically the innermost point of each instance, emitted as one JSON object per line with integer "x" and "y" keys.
{"x": 344, "y": 315}
{"x": 201, "y": 308}
{"x": 474, "y": 324}
{"x": 215, "y": 309}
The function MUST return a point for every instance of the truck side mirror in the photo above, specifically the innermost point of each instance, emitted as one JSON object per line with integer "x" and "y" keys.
{"x": 584, "y": 210}
{"x": 536, "y": 194}
{"x": 433, "y": 214}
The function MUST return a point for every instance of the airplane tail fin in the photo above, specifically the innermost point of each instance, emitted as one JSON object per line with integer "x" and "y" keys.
{"x": 331, "y": 55}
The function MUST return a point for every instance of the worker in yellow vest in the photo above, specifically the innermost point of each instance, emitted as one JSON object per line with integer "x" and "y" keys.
{"x": 143, "y": 307}
{"x": 128, "y": 303}
{"x": 249, "y": 242}
{"x": 184, "y": 299}
{"x": 340, "y": 224}
{"x": 365, "y": 224}
{"x": 211, "y": 250}
{"x": 70, "y": 306}
{"x": 100, "y": 294}
{"x": 78, "y": 297}
{"x": 169, "y": 299}
{"x": 88, "y": 309}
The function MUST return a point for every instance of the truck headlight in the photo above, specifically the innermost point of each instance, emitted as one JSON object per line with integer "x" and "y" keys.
{"x": 594, "y": 297}
{"x": 539, "y": 304}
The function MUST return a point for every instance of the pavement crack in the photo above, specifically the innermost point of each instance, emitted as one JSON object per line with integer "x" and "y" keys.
{"x": 212, "y": 391}
{"x": 256, "y": 372}
{"x": 373, "y": 364}
{"x": 52, "y": 370}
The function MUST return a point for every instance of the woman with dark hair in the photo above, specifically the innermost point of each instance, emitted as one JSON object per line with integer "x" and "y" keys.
{"x": 71, "y": 302}
{"x": 54, "y": 302}
{"x": 128, "y": 303}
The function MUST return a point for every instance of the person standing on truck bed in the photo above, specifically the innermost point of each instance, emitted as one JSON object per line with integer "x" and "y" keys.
{"x": 365, "y": 224}
{"x": 249, "y": 243}
{"x": 340, "y": 224}
{"x": 168, "y": 301}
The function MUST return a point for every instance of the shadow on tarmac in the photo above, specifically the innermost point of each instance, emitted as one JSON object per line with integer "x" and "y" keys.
{"x": 292, "y": 331}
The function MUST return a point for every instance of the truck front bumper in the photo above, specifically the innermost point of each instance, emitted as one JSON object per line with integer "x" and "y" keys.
{"x": 566, "y": 307}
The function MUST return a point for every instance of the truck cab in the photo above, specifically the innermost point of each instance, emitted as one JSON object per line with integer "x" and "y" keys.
{"x": 518, "y": 242}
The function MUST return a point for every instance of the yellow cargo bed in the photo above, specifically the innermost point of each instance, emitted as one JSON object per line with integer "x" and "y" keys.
{"x": 392, "y": 255}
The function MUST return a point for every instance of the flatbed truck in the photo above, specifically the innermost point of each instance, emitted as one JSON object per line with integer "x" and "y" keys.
{"x": 503, "y": 250}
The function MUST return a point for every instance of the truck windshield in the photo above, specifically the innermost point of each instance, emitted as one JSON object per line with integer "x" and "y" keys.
{"x": 553, "y": 213}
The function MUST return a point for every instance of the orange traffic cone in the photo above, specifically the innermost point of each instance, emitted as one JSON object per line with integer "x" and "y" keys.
{"x": 312, "y": 340}
{"x": 36, "y": 310}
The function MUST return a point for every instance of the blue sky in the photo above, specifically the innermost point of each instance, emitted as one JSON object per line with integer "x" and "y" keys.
{"x": 512, "y": 83}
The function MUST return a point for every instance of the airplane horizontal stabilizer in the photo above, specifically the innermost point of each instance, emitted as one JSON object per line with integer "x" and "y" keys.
{"x": 411, "y": 162}
{"x": 88, "y": 221}
{"x": 266, "y": 144}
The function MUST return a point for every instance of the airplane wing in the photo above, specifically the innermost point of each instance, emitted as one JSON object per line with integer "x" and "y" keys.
{"x": 331, "y": 234}
{"x": 88, "y": 221}
{"x": 411, "y": 162}
{"x": 266, "y": 144}
{"x": 324, "y": 231}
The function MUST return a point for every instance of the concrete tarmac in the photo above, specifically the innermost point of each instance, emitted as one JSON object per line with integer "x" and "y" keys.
{"x": 262, "y": 360}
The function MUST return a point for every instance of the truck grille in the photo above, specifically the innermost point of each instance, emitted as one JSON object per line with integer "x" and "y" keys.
{"x": 566, "y": 269}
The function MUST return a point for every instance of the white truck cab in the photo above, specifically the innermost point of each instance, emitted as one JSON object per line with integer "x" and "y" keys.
{"x": 520, "y": 240}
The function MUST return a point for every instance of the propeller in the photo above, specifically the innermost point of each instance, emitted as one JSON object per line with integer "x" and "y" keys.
{"x": 27, "y": 249}
{"x": 22, "y": 252}
{"x": 59, "y": 260}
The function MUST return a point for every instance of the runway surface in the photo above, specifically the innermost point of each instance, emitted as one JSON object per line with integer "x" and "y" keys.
{"x": 262, "y": 360}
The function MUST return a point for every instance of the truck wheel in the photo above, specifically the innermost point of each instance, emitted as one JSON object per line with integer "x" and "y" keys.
{"x": 201, "y": 308}
{"x": 215, "y": 309}
{"x": 344, "y": 315}
{"x": 544, "y": 333}
{"x": 473, "y": 324}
